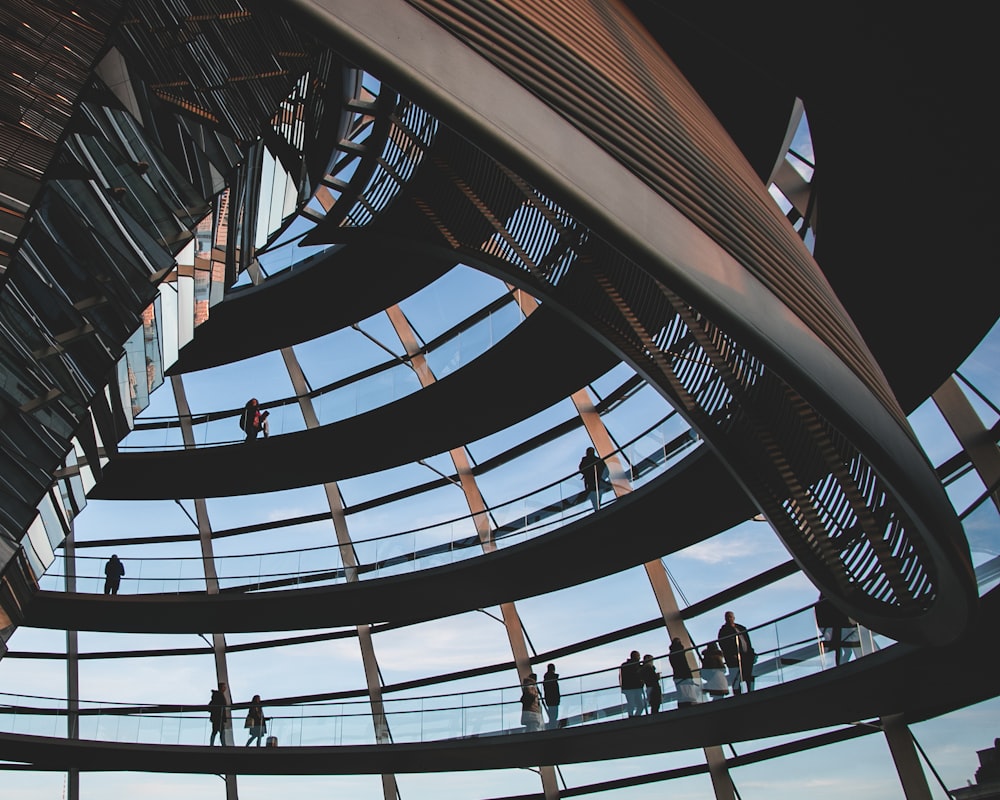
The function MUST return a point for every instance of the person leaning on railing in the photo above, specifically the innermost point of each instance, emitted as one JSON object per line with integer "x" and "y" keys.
{"x": 531, "y": 709}
{"x": 713, "y": 671}
{"x": 734, "y": 641}
{"x": 114, "y": 571}
{"x": 630, "y": 681}
{"x": 688, "y": 692}
{"x": 651, "y": 680}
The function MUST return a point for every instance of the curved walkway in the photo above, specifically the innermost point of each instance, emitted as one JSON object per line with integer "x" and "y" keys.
{"x": 543, "y": 361}
{"x": 890, "y": 682}
{"x": 324, "y": 293}
{"x": 689, "y": 503}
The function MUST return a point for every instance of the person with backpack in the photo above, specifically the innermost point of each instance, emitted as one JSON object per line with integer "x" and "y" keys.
{"x": 253, "y": 420}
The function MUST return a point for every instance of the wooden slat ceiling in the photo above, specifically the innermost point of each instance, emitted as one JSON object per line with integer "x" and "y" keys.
{"x": 46, "y": 54}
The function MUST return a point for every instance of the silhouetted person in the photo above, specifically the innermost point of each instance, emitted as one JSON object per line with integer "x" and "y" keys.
{"x": 630, "y": 680}
{"x": 688, "y": 693}
{"x": 253, "y": 420}
{"x": 651, "y": 681}
{"x": 218, "y": 713}
{"x": 531, "y": 709}
{"x": 256, "y": 721}
{"x": 594, "y": 472}
{"x": 113, "y": 572}
{"x": 678, "y": 660}
{"x": 713, "y": 671}
{"x": 734, "y": 641}
{"x": 551, "y": 695}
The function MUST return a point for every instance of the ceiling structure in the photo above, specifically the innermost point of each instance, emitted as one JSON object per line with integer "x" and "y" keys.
{"x": 234, "y": 181}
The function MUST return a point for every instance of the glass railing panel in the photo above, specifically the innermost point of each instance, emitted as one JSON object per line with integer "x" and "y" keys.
{"x": 327, "y": 728}
{"x": 226, "y": 429}
{"x": 366, "y": 394}
{"x": 161, "y": 728}
{"x": 598, "y": 705}
{"x": 440, "y": 723}
{"x": 385, "y": 387}
{"x": 335, "y": 406}
{"x": 293, "y": 567}
{"x": 167, "y": 437}
{"x": 982, "y": 529}
{"x": 29, "y": 721}
{"x": 439, "y": 544}
{"x": 474, "y": 341}
{"x": 191, "y": 728}
{"x": 570, "y": 703}
{"x": 537, "y": 513}
{"x": 88, "y": 724}
{"x": 110, "y": 727}
{"x": 164, "y": 575}
{"x": 247, "y": 570}
{"x": 286, "y": 725}
{"x": 487, "y": 714}
{"x": 53, "y": 579}
{"x": 149, "y": 728}
{"x": 366, "y": 553}
{"x": 788, "y": 648}
{"x": 306, "y": 726}
{"x": 356, "y": 725}
{"x": 9, "y": 717}
{"x": 390, "y": 553}
{"x": 402, "y": 719}
{"x": 394, "y": 555}
{"x": 317, "y": 567}
{"x": 653, "y": 451}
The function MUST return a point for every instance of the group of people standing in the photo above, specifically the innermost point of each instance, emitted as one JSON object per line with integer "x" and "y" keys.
{"x": 640, "y": 683}
{"x": 219, "y": 714}
{"x": 532, "y": 701}
{"x": 732, "y": 650}
{"x": 639, "y": 678}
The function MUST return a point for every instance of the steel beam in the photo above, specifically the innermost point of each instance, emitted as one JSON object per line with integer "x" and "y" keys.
{"x": 904, "y": 755}
{"x": 211, "y": 578}
{"x": 481, "y": 519}
{"x": 335, "y": 501}
{"x": 974, "y": 437}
